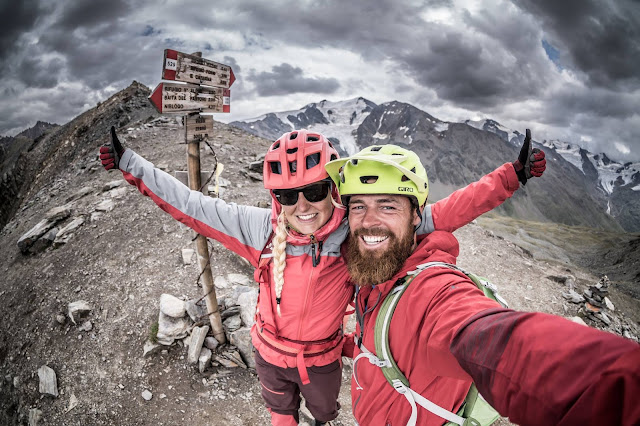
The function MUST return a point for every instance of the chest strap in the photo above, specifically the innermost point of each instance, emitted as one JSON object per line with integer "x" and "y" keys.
{"x": 412, "y": 396}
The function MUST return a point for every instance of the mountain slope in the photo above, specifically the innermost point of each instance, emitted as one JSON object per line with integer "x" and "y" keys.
{"x": 618, "y": 183}
{"x": 29, "y": 169}
{"x": 337, "y": 120}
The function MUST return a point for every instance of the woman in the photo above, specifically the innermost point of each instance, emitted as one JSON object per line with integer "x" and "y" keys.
{"x": 296, "y": 249}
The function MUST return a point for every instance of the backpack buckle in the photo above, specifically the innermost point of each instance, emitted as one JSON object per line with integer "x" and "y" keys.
{"x": 379, "y": 362}
{"x": 399, "y": 386}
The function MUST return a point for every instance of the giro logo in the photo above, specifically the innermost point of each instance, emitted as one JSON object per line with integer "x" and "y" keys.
{"x": 405, "y": 189}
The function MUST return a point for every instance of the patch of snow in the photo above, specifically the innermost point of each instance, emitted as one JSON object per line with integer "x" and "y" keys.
{"x": 380, "y": 136}
{"x": 442, "y": 127}
{"x": 569, "y": 152}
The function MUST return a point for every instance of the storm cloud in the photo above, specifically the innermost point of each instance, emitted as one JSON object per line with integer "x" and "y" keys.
{"x": 285, "y": 79}
{"x": 570, "y": 70}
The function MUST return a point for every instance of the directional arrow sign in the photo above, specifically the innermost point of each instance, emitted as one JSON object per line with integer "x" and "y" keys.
{"x": 180, "y": 66}
{"x": 175, "y": 97}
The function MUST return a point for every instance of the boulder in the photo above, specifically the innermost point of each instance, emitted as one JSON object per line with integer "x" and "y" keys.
{"x": 27, "y": 240}
{"x": 78, "y": 309}
{"x": 241, "y": 339}
{"x": 48, "y": 381}
{"x": 170, "y": 329}
{"x": 198, "y": 335}
{"x": 247, "y": 302}
{"x": 172, "y": 306}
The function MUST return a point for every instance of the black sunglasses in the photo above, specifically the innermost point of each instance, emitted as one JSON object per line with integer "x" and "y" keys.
{"x": 313, "y": 193}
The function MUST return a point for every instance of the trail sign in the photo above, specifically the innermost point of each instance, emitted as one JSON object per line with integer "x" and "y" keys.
{"x": 199, "y": 127}
{"x": 180, "y": 66}
{"x": 176, "y": 97}
{"x": 210, "y": 94}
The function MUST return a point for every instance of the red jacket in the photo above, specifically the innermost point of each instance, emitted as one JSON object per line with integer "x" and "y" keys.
{"x": 535, "y": 368}
{"x": 314, "y": 298}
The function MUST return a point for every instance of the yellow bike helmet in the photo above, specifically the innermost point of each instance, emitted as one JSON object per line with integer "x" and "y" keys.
{"x": 381, "y": 169}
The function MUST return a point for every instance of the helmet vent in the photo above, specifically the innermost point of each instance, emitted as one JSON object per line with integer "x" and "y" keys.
{"x": 312, "y": 138}
{"x": 376, "y": 148}
{"x": 368, "y": 179}
{"x": 354, "y": 161}
{"x": 294, "y": 135}
{"x": 404, "y": 178}
{"x": 292, "y": 150}
{"x": 293, "y": 167}
{"x": 313, "y": 160}
{"x": 276, "y": 145}
{"x": 275, "y": 167}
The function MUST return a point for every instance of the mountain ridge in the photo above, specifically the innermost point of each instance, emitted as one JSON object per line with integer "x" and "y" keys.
{"x": 612, "y": 187}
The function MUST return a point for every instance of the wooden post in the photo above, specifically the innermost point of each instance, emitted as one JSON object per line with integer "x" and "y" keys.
{"x": 193, "y": 168}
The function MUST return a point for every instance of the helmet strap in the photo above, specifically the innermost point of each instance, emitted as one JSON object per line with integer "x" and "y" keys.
{"x": 414, "y": 203}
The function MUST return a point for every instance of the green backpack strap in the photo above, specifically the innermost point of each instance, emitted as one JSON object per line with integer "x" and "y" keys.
{"x": 487, "y": 287}
{"x": 381, "y": 332}
{"x": 475, "y": 410}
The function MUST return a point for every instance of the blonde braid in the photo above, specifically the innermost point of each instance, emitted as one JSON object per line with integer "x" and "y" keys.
{"x": 279, "y": 256}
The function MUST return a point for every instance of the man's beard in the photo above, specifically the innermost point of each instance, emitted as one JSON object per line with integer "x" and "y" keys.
{"x": 377, "y": 266}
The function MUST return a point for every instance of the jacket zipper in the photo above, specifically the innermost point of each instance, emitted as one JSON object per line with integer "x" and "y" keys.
{"x": 309, "y": 284}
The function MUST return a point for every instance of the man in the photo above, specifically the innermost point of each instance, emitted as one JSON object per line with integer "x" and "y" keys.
{"x": 531, "y": 367}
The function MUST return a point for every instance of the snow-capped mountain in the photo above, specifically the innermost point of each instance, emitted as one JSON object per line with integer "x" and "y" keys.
{"x": 336, "y": 120}
{"x": 585, "y": 189}
{"x": 610, "y": 174}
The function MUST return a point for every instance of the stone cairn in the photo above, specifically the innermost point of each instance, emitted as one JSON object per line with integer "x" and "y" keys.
{"x": 596, "y": 309}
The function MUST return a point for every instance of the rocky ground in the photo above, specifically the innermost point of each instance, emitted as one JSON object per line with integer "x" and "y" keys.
{"x": 126, "y": 253}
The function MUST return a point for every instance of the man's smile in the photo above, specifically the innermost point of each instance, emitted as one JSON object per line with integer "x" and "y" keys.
{"x": 373, "y": 240}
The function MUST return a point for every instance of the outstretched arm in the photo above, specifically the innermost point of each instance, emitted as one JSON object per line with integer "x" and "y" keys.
{"x": 542, "y": 369}
{"x": 477, "y": 198}
{"x": 242, "y": 229}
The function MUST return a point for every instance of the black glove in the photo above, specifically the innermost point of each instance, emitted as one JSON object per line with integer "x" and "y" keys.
{"x": 530, "y": 162}
{"x": 110, "y": 154}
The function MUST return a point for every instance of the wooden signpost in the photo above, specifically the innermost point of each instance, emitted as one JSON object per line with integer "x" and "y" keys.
{"x": 210, "y": 94}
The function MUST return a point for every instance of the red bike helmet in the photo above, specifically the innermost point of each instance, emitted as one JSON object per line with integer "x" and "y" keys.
{"x": 297, "y": 159}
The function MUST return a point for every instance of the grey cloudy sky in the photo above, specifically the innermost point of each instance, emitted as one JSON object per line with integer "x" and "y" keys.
{"x": 569, "y": 69}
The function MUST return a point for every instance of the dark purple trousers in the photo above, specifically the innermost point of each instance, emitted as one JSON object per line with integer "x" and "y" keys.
{"x": 281, "y": 389}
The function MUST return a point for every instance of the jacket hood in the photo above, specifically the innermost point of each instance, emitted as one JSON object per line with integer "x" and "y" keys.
{"x": 438, "y": 246}
{"x": 321, "y": 234}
